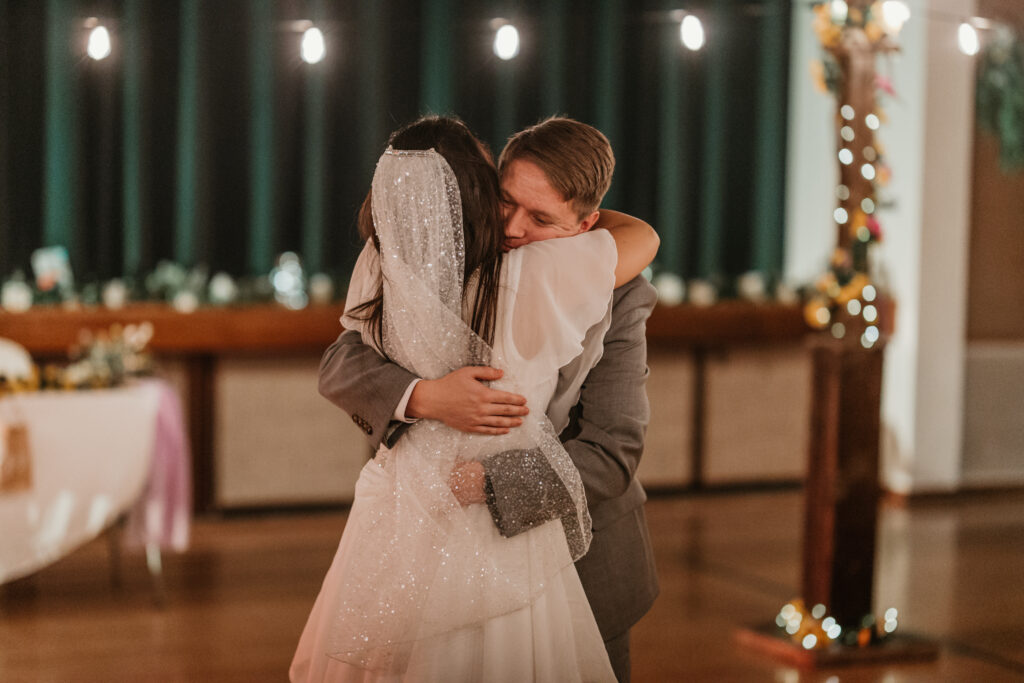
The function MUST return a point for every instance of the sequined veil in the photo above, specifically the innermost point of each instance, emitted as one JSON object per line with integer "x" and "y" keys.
{"x": 417, "y": 564}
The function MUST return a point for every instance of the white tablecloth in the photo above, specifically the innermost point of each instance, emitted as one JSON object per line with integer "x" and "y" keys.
{"x": 92, "y": 453}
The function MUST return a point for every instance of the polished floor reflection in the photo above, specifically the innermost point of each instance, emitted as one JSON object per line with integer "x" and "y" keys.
{"x": 236, "y": 602}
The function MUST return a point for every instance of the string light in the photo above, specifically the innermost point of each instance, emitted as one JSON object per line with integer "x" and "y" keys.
{"x": 99, "y": 43}
{"x": 890, "y": 620}
{"x": 506, "y": 42}
{"x": 967, "y": 38}
{"x": 814, "y": 629}
{"x": 839, "y": 11}
{"x": 313, "y": 48}
{"x": 895, "y": 13}
{"x": 691, "y": 32}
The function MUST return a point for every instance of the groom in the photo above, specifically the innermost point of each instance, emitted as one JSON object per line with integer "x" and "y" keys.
{"x": 554, "y": 176}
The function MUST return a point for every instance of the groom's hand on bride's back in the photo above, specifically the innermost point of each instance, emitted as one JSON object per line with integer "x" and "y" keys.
{"x": 462, "y": 400}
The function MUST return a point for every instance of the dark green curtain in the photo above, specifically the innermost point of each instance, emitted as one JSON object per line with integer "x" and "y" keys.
{"x": 206, "y": 140}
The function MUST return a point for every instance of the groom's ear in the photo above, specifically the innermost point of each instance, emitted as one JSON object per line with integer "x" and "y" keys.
{"x": 589, "y": 221}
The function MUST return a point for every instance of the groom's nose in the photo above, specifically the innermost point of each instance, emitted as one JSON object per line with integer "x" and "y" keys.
{"x": 514, "y": 225}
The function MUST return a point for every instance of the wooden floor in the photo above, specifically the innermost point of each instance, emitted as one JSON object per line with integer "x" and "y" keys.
{"x": 238, "y": 599}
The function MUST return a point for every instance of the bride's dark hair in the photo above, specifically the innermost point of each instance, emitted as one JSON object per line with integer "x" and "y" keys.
{"x": 482, "y": 220}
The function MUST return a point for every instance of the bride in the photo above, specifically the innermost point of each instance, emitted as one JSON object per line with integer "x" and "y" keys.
{"x": 422, "y": 588}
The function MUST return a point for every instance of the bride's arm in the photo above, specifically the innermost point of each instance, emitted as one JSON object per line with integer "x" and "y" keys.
{"x": 635, "y": 240}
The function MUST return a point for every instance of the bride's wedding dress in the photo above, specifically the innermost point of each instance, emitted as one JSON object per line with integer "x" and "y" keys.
{"x": 421, "y": 588}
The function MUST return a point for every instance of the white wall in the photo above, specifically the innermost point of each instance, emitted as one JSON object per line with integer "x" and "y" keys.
{"x": 993, "y": 424}
{"x": 945, "y": 229}
{"x": 811, "y": 170}
{"x": 923, "y": 258}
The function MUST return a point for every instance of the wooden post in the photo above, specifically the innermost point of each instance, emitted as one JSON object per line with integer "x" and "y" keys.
{"x": 842, "y": 476}
{"x": 842, "y": 490}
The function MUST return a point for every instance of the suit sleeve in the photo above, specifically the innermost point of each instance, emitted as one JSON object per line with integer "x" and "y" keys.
{"x": 354, "y": 377}
{"x": 606, "y": 434}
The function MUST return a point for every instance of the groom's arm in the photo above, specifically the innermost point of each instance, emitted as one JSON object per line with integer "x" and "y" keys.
{"x": 354, "y": 377}
{"x": 371, "y": 389}
{"x": 605, "y": 437}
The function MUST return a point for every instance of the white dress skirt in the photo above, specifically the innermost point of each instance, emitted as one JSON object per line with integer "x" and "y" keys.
{"x": 552, "y": 292}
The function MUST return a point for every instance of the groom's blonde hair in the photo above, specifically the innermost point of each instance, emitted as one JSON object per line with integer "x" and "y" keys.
{"x": 576, "y": 158}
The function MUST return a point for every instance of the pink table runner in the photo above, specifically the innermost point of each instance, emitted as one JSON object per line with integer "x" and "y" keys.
{"x": 162, "y": 515}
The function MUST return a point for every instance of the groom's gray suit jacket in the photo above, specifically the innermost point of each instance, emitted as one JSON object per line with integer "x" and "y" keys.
{"x": 604, "y": 438}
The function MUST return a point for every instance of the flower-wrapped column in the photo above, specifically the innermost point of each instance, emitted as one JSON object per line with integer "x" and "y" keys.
{"x": 842, "y": 478}
{"x": 833, "y": 619}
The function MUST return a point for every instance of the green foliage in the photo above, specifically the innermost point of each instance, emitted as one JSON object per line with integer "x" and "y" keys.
{"x": 999, "y": 96}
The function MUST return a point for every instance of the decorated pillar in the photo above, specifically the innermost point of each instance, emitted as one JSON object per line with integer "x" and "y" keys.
{"x": 833, "y": 619}
{"x": 852, "y": 35}
{"x": 842, "y": 477}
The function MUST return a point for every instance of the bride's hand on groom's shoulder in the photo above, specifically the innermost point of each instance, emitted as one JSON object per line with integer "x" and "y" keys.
{"x": 462, "y": 400}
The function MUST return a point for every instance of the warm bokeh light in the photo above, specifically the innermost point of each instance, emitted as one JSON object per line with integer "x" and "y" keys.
{"x": 313, "y": 47}
{"x": 691, "y": 32}
{"x": 506, "y": 42}
{"x": 839, "y": 11}
{"x": 967, "y": 38}
{"x": 895, "y": 13}
{"x": 99, "y": 43}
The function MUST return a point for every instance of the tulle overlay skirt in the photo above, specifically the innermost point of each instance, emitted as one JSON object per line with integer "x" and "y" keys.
{"x": 544, "y": 631}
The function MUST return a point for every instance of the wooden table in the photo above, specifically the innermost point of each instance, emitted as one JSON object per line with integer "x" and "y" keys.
{"x": 204, "y": 335}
